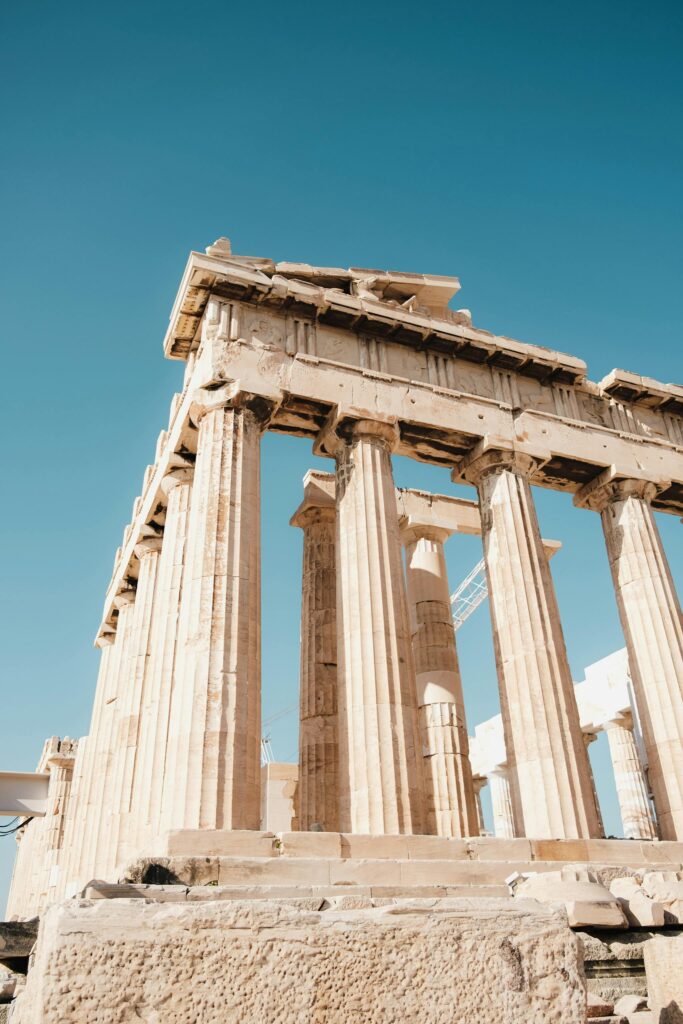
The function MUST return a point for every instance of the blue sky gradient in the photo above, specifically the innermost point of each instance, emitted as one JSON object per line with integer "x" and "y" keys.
{"x": 533, "y": 150}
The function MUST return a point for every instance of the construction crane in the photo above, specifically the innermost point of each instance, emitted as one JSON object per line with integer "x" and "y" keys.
{"x": 267, "y": 755}
{"x": 469, "y": 595}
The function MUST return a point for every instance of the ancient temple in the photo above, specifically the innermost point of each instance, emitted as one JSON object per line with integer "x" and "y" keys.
{"x": 366, "y": 363}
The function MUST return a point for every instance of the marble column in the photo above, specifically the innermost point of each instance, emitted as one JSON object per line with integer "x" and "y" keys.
{"x": 212, "y": 777}
{"x": 549, "y": 773}
{"x": 449, "y": 794}
{"x": 318, "y": 785}
{"x": 501, "y": 804}
{"x": 381, "y": 785}
{"x": 588, "y": 738}
{"x": 131, "y": 701}
{"x": 58, "y": 759}
{"x": 637, "y": 818}
{"x": 94, "y": 813}
{"x": 478, "y": 783}
{"x": 651, "y": 620}
{"x": 149, "y": 779}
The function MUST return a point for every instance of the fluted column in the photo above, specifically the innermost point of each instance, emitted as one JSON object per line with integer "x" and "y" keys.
{"x": 501, "y": 804}
{"x": 651, "y": 620}
{"x": 478, "y": 783}
{"x": 212, "y": 779}
{"x": 449, "y": 794}
{"x": 636, "y": 813}
{"x": 57, "y": 759}
{"x": 76, "y": 837}
{"x": 318, "y": 786}
{"x": 120, "y": 790}
{"x": 381, "y": 787}
{"x": 547, "y": 760}
{"x": 588, "y": 738}
{"x": 94, "y": 812}
{"x": 149, "y": 779}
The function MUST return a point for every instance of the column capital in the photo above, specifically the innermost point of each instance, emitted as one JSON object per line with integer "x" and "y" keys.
{"x": 175, "y": 477}
{"x": 386, "y": 432}
{"x": 318, "y": 502}
{"x": 232, "y": 396}
{"x": 341, "y": 429}
{"x": 146, "y": 546}
{"x": 487, "y": 458}
{"x": 606, "y": 487}
{"x": 412, "y": 531}
{"x": 622, "y": 720}
{"x": 125, "y": 597}
{"x": 105, "y": 638}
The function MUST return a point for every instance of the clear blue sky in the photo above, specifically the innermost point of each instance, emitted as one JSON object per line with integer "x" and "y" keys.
{"x": 532, "y": 149}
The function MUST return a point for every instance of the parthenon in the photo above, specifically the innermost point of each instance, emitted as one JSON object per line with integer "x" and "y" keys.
{"x": 365, "y": 364}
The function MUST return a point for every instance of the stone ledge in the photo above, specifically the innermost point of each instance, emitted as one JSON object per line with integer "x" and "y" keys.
{"x": 335, "y": 845}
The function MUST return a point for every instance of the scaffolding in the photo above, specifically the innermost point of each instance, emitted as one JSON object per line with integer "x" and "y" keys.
{"x": 470, "y": 594}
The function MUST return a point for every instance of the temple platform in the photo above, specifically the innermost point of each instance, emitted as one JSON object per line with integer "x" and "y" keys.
{"x": 331, "y": 858}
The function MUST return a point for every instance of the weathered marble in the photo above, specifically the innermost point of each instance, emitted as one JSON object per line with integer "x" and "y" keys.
{"x": 318, "y": 790}
{"x": 634, "y": 805}
{"x": 450, "y": 802}
{"x": 212, "y": 773}
{"x": 418, "y": 961}
{"x": 147, "y": 792}
{"x": 653, "y": 628}
{"x": 663, "y": 955}
{"x": 550, "y": 778}
{"x": 381, "y": 785}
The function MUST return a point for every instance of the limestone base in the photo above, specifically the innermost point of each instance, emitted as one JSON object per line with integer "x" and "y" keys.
{"x": 448, "y": 961}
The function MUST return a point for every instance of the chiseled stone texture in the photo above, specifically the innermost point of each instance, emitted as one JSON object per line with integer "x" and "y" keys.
{"x": 427, "y": 961}
{"x": 664, "y": 970}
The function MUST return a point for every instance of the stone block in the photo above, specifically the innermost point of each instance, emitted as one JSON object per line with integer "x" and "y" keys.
{"x": 616, "y": 851}
{"x": 591, "y": 914}
{"x": 8, "y": 984}
{"x": 274, "y": 871}
{"x": 567, "y": 850}
{"x": 666, "y": 887}
{"x": 640, "y": 910}
{"x": 630, "y": 1004}
{"x": 445, "y": 873}
{"x": 218, "y": 843}
{"x": 507, "y": 962}
{"x": 380, "y": 847}
{"x": 436, "y": 848}
{"x": 663, "y": 885}
{"x": 365, "y": 872}
{"x": 355, "y": 902}
{"x": 487, "y": 848}
{"x": 310, "y": 844}
{"x": 663, "y": 852}
{"x": 663, "y": 956}
{"x": 588, "y": 904}
{"x": 209, "y": 893}
{"x": 129, "y": 890}
{"x": 597, "y": 1007}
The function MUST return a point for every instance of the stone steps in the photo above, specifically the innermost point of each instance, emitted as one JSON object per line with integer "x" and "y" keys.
{"x": 404, "y": 873}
